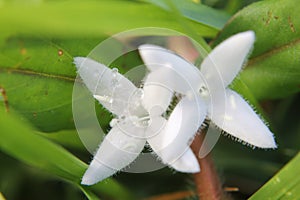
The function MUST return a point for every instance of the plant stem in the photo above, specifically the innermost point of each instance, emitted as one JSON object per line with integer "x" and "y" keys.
{"x": 207, "y": 182}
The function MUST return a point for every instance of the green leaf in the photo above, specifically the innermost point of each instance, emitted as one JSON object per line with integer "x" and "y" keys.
{"x": 196, "y": 12}
{"x": 90, "y": 195}
{"x": 38, "y": 76}
{"x": 37, "y": 72}
{"x": 88, "y": 18}
{"x": 284, "y": 185}
{"x": 273, "y": 70}
{"x": 19, "y": 141}
{"x": 38, "y": 82}
{"x": 66, "y": 138}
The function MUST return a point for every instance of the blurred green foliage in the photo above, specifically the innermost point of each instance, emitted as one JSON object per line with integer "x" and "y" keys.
{"x": 38, "y": 40}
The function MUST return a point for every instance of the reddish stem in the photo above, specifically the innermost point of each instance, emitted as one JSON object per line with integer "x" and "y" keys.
{"x": 207, "y": 182}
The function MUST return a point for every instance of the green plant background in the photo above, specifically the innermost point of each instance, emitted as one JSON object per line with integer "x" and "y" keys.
{"x": 41, "y": 155}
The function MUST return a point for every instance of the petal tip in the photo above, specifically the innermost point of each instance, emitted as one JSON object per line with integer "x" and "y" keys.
{"x": 88, "y": 180}
{"x": 187, "y": 163}
{"x": 267, "y": 140}
{"x": 78, "y": 61}
{"x": 248, "y": 35}
{"x": 185, "y": 169}
{"x": 266, "y": 143}
{"x": 271, "y": 144}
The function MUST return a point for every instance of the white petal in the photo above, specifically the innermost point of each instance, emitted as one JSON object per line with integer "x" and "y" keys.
{"x": 109, "y": 87}
{"x": 159, "y": 87}
{"x": 173, "y": 141}
{"x": 186, "y": 163}
{"x": 156, "y": 57}
{"x": 210, "y": 140}
{"x": 142, "y": 127}
{"x": 170, "y": 79}
{"x": 240, "y": 120}
{"x": 226, "y": 60}
{"x": 157, "y": 125}
{"x": 115, "y": 152}
{"x": 157, "y": 96}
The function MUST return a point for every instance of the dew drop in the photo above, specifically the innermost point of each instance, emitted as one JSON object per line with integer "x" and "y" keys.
{"x": 109, "y": 99}
{"x": 113, "y": 122}
{"x": 114, "y": 81}
{"x": 115, "y": 72}
{"x": 139, "y": 93}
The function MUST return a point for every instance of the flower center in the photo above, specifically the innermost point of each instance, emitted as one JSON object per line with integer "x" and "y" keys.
{"x": 137, "y": 113}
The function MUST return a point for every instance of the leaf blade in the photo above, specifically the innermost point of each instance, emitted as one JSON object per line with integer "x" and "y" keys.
{"x": 19, "y": 141}
{"x": 88, "y": 18}
{"x": 284, "y": 185}
{"x": 273, "y": 68}
{"x": 196, "y": 12}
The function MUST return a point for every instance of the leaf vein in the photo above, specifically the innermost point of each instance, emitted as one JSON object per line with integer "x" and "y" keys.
{"x": 41, "y": 74}
{"x": 271, "y": 52}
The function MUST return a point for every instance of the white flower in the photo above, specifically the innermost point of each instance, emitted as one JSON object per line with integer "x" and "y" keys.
{"x": 142, "y": 114}
{"x": 134, "y": 125}
{"x": 224, "y": 107}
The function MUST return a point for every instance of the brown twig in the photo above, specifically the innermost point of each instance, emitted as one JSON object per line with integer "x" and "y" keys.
{"x": 173, "y": 196}
{"x": 207, "y": 182}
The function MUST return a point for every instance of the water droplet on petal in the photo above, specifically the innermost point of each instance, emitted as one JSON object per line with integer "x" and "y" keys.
{"x": 114, "y": 81}
{"x": 113, "y": 122}
{"x": 109, "y": 99}
{"x": 140, "y": 93}
{"x": 115, "y": 72}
